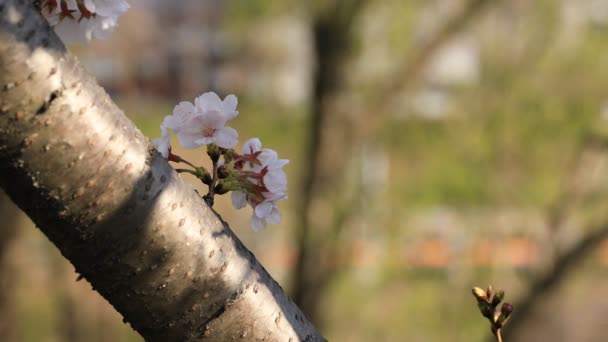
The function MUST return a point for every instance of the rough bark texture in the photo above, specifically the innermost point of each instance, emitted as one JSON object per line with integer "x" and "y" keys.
{"x": 94, "y": 185}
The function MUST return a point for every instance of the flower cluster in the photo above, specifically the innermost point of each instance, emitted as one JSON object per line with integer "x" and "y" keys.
{"x": 254, "y": 177}
{"x": 259, "y": 180}
{"x": 80, "y": 21}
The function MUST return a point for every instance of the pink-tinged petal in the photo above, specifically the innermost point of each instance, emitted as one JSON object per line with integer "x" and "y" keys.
{"x": 275, "y": 181}
{"x": 227, "y": 137}
{"x": 102, "y": 27}
{"x": 274, "y": 197}
{"x": 211, "y": 119}
{"x": 267, "y": 156}
{"x": 182, "y": 115}
{"x": 274, "y": 217}
{"x": 204, "y": 141}
{"x": 257, "y": 223}
{"x": 90, "y": 5}
{"x": 239, "y": 199}
{"x": 263, "y": 209}
{"x": 208, "y": 102}
{"x": 229, "y": 107}
{"x": 162, "y": 145}
{"x": 189, "y": 140}
{"x": 183, "y": 110}
{"x": 163, "y": 130}
{"x": 72, "y": 6}
{"x": 278, "y": 163}
{"x": 108, "y": 7}
{"x": 252, "y": 145}
{"x": 72, "y": 32}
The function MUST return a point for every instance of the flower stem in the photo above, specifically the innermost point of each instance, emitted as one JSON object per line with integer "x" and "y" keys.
{"x": 498, "y": 336}
{"x": 212, "y": 152}
{"x": 187, "y": 162}
{"x": 192, "y": 172}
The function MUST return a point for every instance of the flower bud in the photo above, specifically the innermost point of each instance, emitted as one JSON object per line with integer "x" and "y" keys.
{"x": 213, "y": 151}
{"x": 220, "y": 189}
{"x": 480, "y": 294}
{"x": 206, "y": 178}
{"x": 223, "y": 171}
{"x": 485, "y": 309}
{"x": 505, "y": 313}
{"x": 498, "y": 297}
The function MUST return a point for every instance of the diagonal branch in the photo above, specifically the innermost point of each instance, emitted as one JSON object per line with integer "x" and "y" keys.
{"x": 564, "y": 265}
{"x": 97, "y": 189}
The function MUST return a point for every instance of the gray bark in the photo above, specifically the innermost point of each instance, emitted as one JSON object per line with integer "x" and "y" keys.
{"x": 96, "y": 188}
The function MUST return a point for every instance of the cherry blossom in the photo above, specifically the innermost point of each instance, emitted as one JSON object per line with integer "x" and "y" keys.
{"x": 267, "y": 211}
{"x": 268, "y": 183}
{"x": 162, "y": 144}
{"x": 203, "y": 122}
{"x": 254, "y": 178}
{"x": 80, "y": 22}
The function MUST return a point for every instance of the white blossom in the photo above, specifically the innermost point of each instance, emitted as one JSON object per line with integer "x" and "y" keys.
{"x": 201, "y": 123}
{"x": 204, "y": 122}
{"x": 239, "y": 199}
{"x": 162, "y": 144}
{"x": 107, "y": 8}
{"x": 77, "y": 22}
{"x": 267, "y": 211}
{"x": 269, "y": 177}
{"x": 275, "y": 179}
{"x": 251, "y": 146}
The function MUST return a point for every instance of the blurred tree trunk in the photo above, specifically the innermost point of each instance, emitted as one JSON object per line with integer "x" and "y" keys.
{"x": 334, "y": 135}
{"x": 8, "y": 231}
{"x": 128, "y": 223}
{"x": 332, "y": 32}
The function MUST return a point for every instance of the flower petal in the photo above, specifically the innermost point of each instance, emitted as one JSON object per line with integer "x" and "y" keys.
{"x": 275, "y": 181}
{"x": 89, "y": 5}
{"x": 204, "y": 141}
{"x": 278, "y": 163}
{"x": 252, "y": 145}
{"x": 263, "y": 209}
{"x": 239, "y": 199}
{"x": 162, "y": 145}
{"x": 227, "y": 137}
{"x": 274, "y": 217}
{"x": 191, "y": 140}
{"x": 107, "y": 8}
{"x": 267, "y": 156}
{"x": 72, "y": 32}
{"x": 269, "y": 196}
{"x": 257, "y": 223}
{"x": 208, "y": 102}
{"x": 103, "y": 27}
{"x": 182, "y": 114}
{"x": 72, "y": 5}
{"x": 229, "y": 107}
{"x": 211, "y": 119}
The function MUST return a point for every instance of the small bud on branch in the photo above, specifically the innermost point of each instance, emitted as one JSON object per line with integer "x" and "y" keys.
{"x": 488, "y": 302}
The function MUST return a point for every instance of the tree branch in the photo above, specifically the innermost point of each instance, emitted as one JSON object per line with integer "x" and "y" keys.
{"x": 94, "y": 185}
{"x": 564, "y": 264}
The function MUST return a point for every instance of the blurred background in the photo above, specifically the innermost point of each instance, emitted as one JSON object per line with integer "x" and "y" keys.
{"x": 435, "y": 145}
